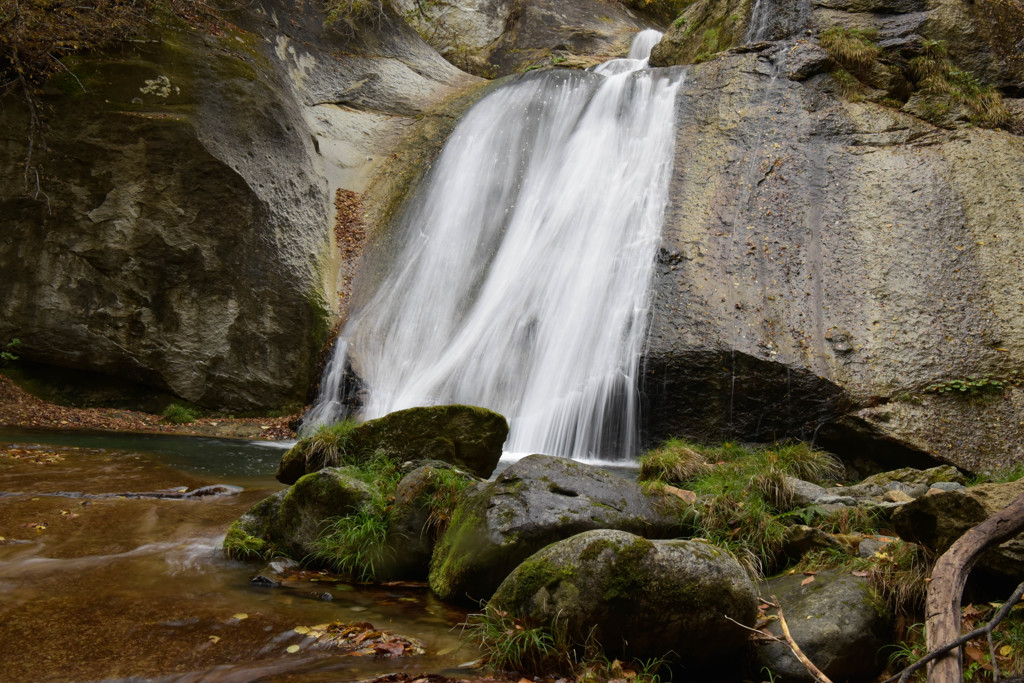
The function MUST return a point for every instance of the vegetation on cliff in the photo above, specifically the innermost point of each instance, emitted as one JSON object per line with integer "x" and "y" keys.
{"x": 36, "y": 34}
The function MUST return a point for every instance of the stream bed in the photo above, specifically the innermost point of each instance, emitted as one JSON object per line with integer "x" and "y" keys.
{"x": 96, "y": 584}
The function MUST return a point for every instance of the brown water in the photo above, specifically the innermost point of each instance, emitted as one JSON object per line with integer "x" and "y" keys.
{"x": 97, "y": 588}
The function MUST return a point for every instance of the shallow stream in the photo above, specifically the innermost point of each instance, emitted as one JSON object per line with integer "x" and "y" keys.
{"x": 98, "y": 585}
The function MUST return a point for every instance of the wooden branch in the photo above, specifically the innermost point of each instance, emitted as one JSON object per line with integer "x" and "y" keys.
{"x": 808, "y": 664}
{"x": 949, "y": 576}
{"x": 904, "y": 675}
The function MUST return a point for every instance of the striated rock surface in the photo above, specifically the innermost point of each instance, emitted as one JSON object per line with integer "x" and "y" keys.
{"x": 826, "y": 263}
{"x": 180, "y": 236}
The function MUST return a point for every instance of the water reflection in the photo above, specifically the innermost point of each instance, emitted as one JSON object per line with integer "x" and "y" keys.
{"x": 137, "y": 588}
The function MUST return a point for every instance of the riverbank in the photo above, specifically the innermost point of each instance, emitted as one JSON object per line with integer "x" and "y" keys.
{"x": 18, "y": 408}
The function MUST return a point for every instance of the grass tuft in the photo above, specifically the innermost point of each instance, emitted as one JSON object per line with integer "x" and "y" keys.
{"x": 179, "y": 414}
{"x": 447, "y": 487}
{"x": 329, "y": 446}
{"x": 356, "y": 545}
{"x": 675, "y": 462}
{"x": 508, "y": 644}
{"x": 853, "y": 49}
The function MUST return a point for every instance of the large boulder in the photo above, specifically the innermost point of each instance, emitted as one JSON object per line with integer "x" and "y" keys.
{"x": 837, "y": 621}
{"x": 636, "y": 597}
{"x": 536, "y": 501}
{"x": 465, "y": 436}
{"x": 939, "y": 519}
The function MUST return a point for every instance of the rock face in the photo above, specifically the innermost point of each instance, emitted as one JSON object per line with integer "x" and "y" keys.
{"x": 498, "y": 37}
{"x": 824, "y": 262}
{"x": 937, "y": 520}
{"x": 180, "y": 236}
{"x": 637, "y": 598}
{"x": 835, "y": 620}
{"x": 536, "y": 501}
{"x": 465, "y": 436}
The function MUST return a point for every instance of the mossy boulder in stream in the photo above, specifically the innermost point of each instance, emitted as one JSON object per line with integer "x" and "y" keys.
{"x": 536, "y": 501}
{"x": 290, "y": 521}
{"x": 465, "y": 436}
{"x": 636, "y": 597}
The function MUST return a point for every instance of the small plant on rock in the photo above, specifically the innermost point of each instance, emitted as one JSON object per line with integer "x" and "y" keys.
{"x": 7, "y": 355}
{"x": 675, "y": 462}
{"x": 329, "y": 446}
{"x": 179, "y": 414}
{"x": 508, "y": 644}
{"x": 853, "y": 49}
{"x": 445, "y": 494}
{"x": 355, "y": 545}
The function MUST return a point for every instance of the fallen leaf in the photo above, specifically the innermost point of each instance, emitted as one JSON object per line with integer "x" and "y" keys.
{"x": 292, "y": 649}
{"x": 301, "y": 630}
{"x": 214, "y": 639}
{"x": 390, "y": 647}
{"x": 807, "y": 581}
{"x": 240, "y": 616}
{"x": 1005, "y": 650}
{"x": 861, "y": 574}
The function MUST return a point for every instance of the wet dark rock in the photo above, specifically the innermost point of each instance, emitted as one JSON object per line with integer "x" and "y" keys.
{"x": 536, "y": 501}
{"x": 413, "y": 531}
{"x": 802, "y": 539}
{"x": 938, "y": 520}
{"x": 637, "y": 597}
{"x": 264, "y": 581}
{"x": 837, "y": 621}
{"x": 465, "y": 436}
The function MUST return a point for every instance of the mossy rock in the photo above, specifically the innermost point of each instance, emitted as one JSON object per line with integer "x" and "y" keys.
{"x": 249, "y": 537}
{"x": 313, "y": 499}
{"x": 838, "y": 620}
{"x": 912, "y": 477}
{"x": 638, "y": 598}
{"x": 536, "y": 501}
{"x": 465, "y": 436}
{"x": 414, "y": 525}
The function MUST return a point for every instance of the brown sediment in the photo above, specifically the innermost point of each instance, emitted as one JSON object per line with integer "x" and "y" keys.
{"x": 18, "y": 408}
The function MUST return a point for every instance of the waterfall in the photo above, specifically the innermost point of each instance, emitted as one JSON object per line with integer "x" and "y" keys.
{"x": 522, "y": 283}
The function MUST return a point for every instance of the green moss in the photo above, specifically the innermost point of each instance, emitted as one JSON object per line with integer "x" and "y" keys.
{"x": 625, "y": 576}
{"x": 239, "y": 545}
{"x": 449, "y": 563}
{"x": 594, "y": 549}
{"x": 534, "y": 574}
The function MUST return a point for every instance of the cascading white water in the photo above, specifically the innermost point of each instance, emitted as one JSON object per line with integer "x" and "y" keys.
{"x": 528, "y": 251}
